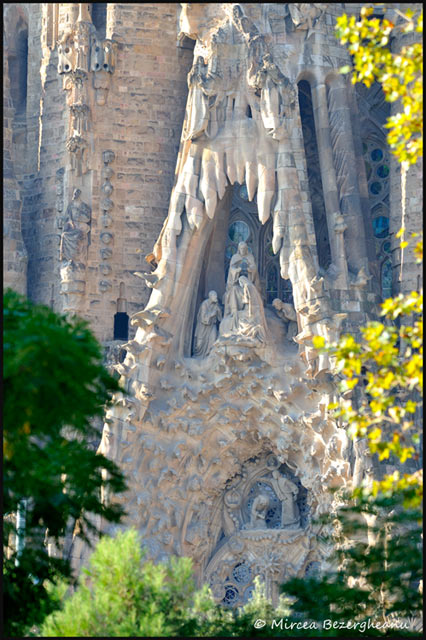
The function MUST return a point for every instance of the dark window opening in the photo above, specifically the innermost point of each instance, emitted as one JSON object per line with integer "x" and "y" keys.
{"x": 99, "y": 18}
{"x": 18, "y": 71}
{"x": 248, "y": 112}
{"x": 186, "y": 43}
{"x": 121, "y": 326}
{"x": 314, "y": 175}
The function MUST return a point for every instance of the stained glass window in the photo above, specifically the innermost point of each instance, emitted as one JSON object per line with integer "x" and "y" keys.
{"x": 376, "y": 158}
{"x": 376, "y": 155}
{"x": 381, "y": 227}
{"x": 239, "y": 231}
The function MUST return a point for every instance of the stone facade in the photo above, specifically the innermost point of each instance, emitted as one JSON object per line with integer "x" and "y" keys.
{"x": 202, "y": 185}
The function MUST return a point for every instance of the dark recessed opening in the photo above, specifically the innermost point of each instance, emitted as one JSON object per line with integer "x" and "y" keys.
{"x": 99, "y": 18}
{"x": 314, "y": 174}
{"x": 121, "y": 326}
{"x": 18, "y": 71}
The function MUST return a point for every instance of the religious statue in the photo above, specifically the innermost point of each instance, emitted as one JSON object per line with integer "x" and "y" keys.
{"x": 209, "y": 314}
{"x": 244, "y": 315}
{"x": 74, "y": 238}
{"x": 287, "y": 492}
{"x": 243, "y": 263}
{"x": 202, "y": 98}
{"x": 258, "y": 513}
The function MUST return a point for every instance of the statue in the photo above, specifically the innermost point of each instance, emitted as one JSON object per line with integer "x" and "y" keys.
{"x": 287, "y": 313}
{"x": 244, "y": 315}
{"x": 287, "y": 492}
{"x": 243, "y": 263}
{"x": 209, "y": 314}
{"x": 74, "y": 238}
{"x": 202, "y": 98}
{"x": 363, "y": 466}
{"x": 304, "y": 16}
{"x": 259, "y": 510}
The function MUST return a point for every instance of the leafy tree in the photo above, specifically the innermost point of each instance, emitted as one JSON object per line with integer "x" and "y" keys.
{"x": 122, "y": 595}
{"x": 374, "y": 590}
{"x": 54, "y": 384}
{"x": 391, "y": 355}
{"x": 399, "y": 73}
{"x": 377, "y": 531}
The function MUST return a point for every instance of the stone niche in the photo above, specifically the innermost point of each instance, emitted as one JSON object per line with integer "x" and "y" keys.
{"x": 264, "y": 530}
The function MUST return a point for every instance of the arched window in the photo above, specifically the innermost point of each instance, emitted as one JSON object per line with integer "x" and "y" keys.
{"x": 376, "y": 158}
{"x": 314, "y": 174}
{"x": 18, "y": 70}
{"x": 377, "y": 167}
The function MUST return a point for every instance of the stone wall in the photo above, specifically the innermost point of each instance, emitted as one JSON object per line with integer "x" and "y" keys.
{"x": 140, "y": 123}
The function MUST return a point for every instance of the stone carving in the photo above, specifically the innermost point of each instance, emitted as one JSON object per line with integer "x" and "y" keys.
{"x": 258, "y": 512}
{"x": 287, "y": 492}
{"x": 287, "y": 313}
{"x": 107, "y": 238}
{"x": 59, "y": 187}
{"x": 209, "y": 315}
{"x": 363, "y": 467}
{"x": 66, "y": 53}
{"x": 210, "y": 432}
{"x": 244, "y": 315}
{"x": 77, "y": 146}
{"x": 81, "y": 54}
{"x": 321, "y": 320}
{"x": 304, "y": 16}
{"x": 75, "y": 236}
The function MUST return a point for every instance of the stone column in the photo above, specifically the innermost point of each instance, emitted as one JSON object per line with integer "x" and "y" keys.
{"x": 328, "y": 173}
{"x": 346, "y": 172}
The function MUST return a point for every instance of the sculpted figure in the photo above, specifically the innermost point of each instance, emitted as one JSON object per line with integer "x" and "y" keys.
{"x": 287, "y": 492}
{"x": 244, "y": 314}
{"x": 258, "y": 512}
{"x": 305, "y": 15}
{"x": 74, "y": 238}
{"x": 82, "y": 44}
{"x": 287, "y": 313}
{"x": 202, "y": 98}
{"x": 243, "y": 263}
{"x": 209, "y": 314}
{"x": 251, "y": 319}
{"x": 363, "y": 467}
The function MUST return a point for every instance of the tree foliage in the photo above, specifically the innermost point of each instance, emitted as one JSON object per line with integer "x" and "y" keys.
{"x": 378, "y": 560}
{"x": 54, "y": 384}
{"x": 121, "y": 594}
{"x": 400, "y": 73}
{"x": 377, "y": 533}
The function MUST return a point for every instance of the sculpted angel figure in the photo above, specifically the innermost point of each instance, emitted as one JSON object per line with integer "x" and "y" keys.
{"x": 287, "y": 492}
{"x": 209, "y": 314}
